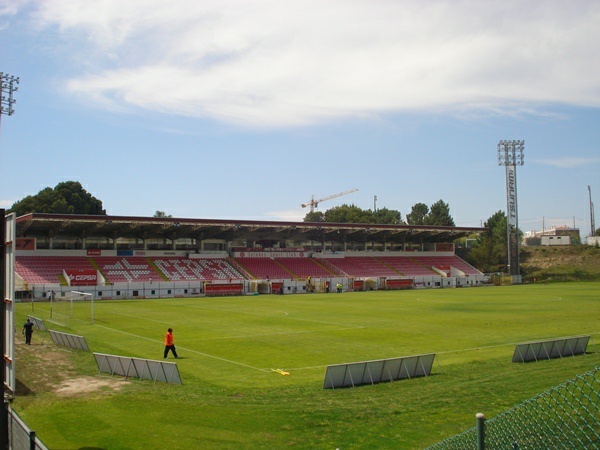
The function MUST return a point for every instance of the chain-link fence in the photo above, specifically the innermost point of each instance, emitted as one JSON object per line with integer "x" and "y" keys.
{"x": 566, "y": 416}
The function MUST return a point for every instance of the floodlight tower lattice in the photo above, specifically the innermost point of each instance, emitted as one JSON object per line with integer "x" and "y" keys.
{"x": 510, "y": 155}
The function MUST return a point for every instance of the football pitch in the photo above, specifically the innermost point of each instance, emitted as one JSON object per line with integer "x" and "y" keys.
{"x": 230, "y": 348}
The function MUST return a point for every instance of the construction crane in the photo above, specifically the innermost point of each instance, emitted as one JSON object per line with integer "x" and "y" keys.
{"x": 315, "y": 203}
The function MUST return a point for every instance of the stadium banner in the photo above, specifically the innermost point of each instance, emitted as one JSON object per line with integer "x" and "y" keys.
{"x": 403, "y": 283}
{"x": 81, "y": 277}
{"x": 511, "y": 195}
{"x": 144, "y": 253}
{"x": 217, "y": 289}
{"x": 25, "y": 244}
{"x": 93, "y": 252}
{"x": 270, "y": 254}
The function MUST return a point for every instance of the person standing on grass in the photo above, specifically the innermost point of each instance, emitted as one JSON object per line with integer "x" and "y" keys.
{"x": 28, "y": 331}
{"x": 170, "y": 343}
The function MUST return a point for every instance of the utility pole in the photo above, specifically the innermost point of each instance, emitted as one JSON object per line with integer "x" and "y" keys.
{"x": 8, "y": 86}
{"x": 592, "y": 221}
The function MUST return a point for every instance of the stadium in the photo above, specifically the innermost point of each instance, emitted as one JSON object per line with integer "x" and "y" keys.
{"x": 115, "y": 257}
{"x": 394, "y": 360}
{"x": 123, "y": 332}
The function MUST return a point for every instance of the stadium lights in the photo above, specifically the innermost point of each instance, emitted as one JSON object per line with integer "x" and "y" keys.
{"x": 8, "y": 86}
{"x": 510, "y": 155}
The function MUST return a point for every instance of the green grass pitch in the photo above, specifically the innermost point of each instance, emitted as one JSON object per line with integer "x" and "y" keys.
{"x": 231, "y": 397}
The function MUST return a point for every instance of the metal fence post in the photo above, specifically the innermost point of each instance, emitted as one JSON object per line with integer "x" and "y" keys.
{"x": 32, "y": 440}
{"x": 480, "y": 431}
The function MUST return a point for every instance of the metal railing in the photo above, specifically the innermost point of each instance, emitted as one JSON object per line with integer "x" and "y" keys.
{"x": 566, "y": 416}
{"x": 20, "y": 437}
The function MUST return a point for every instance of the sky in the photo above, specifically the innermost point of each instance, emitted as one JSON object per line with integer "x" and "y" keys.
{"x": 247, "y": 109}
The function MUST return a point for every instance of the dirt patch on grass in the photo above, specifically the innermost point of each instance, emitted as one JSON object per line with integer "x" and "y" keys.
{"x": 88, "y": 385}
{"x": 43, "y": 367}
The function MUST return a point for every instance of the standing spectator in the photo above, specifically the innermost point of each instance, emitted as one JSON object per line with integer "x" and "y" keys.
{"x": 170, "y": 343}
{"x": 28, "y": 331}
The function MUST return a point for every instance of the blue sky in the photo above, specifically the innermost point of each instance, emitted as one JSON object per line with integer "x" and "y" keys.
{"x": 246, "y": 109}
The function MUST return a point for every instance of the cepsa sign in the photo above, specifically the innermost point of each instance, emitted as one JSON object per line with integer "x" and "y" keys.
{"x": 82, "y": 277}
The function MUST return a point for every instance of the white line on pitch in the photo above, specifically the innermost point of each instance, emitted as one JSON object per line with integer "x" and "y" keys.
{"x": 137, "y": 317}
{"x": 243, "y": 336}
{"x": 223, "y": 359}
{"x": 304, "y": 368}
{"x": 184, "y": 348}
{"x": 270, "y": 315}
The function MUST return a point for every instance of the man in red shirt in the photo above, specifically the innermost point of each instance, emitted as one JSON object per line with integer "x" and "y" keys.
{"x": 170, "y": 343}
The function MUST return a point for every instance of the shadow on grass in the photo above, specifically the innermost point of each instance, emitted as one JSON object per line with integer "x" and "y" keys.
{"x": 22, "y": 389}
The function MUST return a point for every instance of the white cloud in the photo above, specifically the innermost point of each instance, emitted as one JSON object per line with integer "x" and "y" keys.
{"x": 568, "y": 162}
{"x": 10, "y": 7}
{"x": 273, "y": 63}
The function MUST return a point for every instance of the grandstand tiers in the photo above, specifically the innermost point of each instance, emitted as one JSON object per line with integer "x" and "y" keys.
{"x": 62, "y": 251}
{"x": 182, "y": 269}
{"x": 48, "y": 269}
{"x": 131, "y": 269}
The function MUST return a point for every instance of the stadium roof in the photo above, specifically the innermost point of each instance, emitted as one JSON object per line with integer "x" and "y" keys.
{"x": 73, "y": 225}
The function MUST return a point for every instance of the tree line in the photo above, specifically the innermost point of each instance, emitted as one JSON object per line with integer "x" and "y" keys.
{"x": 421, "y": 214}
{"x": 68, "y": 197}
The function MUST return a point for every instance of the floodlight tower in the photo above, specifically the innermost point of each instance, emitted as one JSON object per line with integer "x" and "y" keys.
{"x": 510, "y": 155}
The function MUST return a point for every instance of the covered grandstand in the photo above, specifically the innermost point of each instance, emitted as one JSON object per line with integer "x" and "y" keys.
{"x": 142, "y": 257}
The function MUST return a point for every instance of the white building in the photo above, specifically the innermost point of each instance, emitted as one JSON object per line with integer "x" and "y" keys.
{"x": 557, "y": 235}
